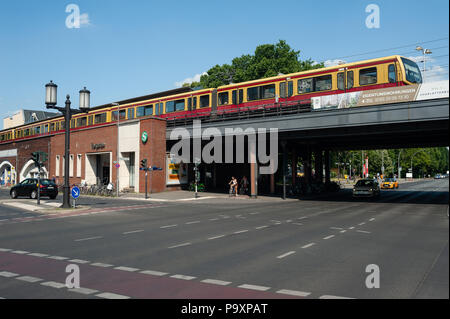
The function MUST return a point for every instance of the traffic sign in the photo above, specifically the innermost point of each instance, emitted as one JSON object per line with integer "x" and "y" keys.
{"x": 75, "y": 192}
{"x": 117, "y": 165}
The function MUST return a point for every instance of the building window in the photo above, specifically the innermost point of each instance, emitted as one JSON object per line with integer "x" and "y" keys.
{"x": 71, "y": 165}
{"x": 391, "y": 74}
{"x": 100, "y": 118}
{"x": 58, "y": 158}
{"x": 204, "y": 101}
{"x": 223, "y": 98}
{"x": 368, "y": 76}
{"x": 79, "y": 165}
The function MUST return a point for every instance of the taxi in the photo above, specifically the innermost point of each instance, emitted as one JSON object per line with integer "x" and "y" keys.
{"x": 389, "y": 183}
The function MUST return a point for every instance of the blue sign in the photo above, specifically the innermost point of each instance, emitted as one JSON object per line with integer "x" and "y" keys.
{"x": 75, "y": 192}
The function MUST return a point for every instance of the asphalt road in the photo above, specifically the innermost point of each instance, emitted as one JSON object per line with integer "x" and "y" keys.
{"x": 234, "y": 248}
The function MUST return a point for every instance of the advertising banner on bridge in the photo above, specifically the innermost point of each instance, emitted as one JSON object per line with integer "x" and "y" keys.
{"x": 177, "y": 173}
{"x": 397, "y": 94}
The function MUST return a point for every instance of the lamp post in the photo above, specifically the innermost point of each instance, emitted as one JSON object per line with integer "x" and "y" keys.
{"x": 398, "y": 164}
{"x": 424, "y": 52}
{"x": 118, "y": 149}
{"x": 50, "y": 102}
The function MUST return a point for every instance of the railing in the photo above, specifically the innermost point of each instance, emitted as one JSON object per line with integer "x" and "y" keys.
{"x": 245, "y": 112}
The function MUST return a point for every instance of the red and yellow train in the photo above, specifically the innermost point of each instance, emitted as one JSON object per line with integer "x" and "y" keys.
{"x": 357, "y": 76}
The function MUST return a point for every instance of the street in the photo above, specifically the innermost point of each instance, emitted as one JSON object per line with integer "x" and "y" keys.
{"x": 222, "y": 247}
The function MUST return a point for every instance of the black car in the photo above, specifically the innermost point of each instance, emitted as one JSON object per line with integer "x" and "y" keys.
{"x": 366, "y": 188}
{"x": 29, "y": 188}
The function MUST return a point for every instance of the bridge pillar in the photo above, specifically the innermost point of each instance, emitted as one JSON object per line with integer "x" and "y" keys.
{"x": 318, "y": 165}
{"x": 253, "y": 172}
{"x": 307, "y": 165}
{"x": 294, "y": 165}
{"x": 272, "y": 183}
{"x": 284, "y": 168}
{"x": 327, "y": 167}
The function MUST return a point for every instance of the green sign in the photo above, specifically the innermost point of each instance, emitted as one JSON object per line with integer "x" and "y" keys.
{"x": 144, "y": 137}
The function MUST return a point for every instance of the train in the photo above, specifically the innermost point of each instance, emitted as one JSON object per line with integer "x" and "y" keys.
{"x": 370, "y": 74}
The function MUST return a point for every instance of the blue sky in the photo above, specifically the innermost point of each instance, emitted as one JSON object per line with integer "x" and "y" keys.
{"x": 131, "y": 48}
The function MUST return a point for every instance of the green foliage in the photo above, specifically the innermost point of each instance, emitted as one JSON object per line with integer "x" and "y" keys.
{"x": 267, "y": 61}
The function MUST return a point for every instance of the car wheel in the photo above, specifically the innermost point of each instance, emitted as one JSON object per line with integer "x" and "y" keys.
{"x": 13, "y": 194}
{"x": 33, "y": 195}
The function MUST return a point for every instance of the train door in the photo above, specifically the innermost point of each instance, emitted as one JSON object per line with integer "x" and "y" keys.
{"x": 214, "y": 101}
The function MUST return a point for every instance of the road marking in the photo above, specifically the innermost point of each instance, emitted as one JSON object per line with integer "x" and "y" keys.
{"x": 261, "y": 227}
{"x": 38, "y": 255}
{"x": 2, "y": 220}
{"x": 363, "y": 231}
{"x": 130, "y": 269}
{"x": 308, "y": 245}
{"x": 8, "y": 274}
{"x": 286, "y": 254}
{"x": 254, "y": 287}
{"x": 183, "y": 277}
{"x": 289, "y": 220}
{"x": 57, "y": 257}
{"x": 293, "y": 293}
{"x": 241, "y": 231}
{"x": 302, "y": 217}
{"x": 168, "y": 226}
{"x": 84, "y": 291}
{"x": 133, "y": 232}
{"x": 216, "y": 282}
{"x": 20, "y": 252}
{"x": 215, "y": 237}
{"x": 328, "y": 237}
{"x": 275, "y": 221}
{"x": 53, "y": 284}
{"x": 363, "y": 223}
{"x": 333, "y": 297}
{"x": 214, "y": 219}
{"x": 108, "y": 295}
{"x": 179, "y": 245}
{"x": 79, "y": 261}
{"x": 29, "y": 279}
{"x": 154, "y": 273}
{"x": 371, "y": 220}
{"x": 193, "y": 222}
{"x": 338, "y": 228}
{"x": 88, "y": 238}
{"x": 101, "y": 265}
{"x": 351, "y": 228}
{"x": 5, "y": 249}
{"x": 342, "y": 231}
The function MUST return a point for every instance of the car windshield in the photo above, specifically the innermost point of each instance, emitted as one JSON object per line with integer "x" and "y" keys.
{"x": 364, "y": 183}
{"x": 389, "y": 180}
{"x": 412, "y": 71}
{"x": 46, "y": 182}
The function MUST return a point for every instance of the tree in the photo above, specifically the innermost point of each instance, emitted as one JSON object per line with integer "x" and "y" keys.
{"x": 267, "y": 61}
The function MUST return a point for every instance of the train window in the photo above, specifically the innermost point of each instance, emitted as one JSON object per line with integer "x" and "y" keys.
{"x": 368, "y": 76}
{"x": 290, "y": 88}
{"x": 234, "y": 97}
{"x": 62, "y": 125}
{"x": 282, "y": 89}
{"x": 180, "y": 105}
{"x": 341, "y": 81}
{"x": 100, "y": 118}
{"x": 204, "y": 101}
{"x": 349, "y": 80}
{"x": 170, "y": 106}
{"x": 91, "y": 120}
{"x": 81, "y": 121}
{"x": 223, "y": 98}
{"x": 194, "y": 102}
{"x": 46, "y": 128}
{"x": 27, "y": 132}
{"x": 122, "y": 115}
{"x": 412, "y": 71}
{"x": 261, "y": 92}
{"x": 391, "y": 74}
{"x": 37, "y": 130}
{"x": 322, "y": 83}
{"x": 72, "y": 123}
{"x": 148, "y": 109}
{"x": 305, "y": 85}
{"x": 241, "y": 96}
{"x": 130, "y": 113}
{"x": 52, "y": 127}
{"x": 253, "y": 94}
{"x": 157, "y": 108}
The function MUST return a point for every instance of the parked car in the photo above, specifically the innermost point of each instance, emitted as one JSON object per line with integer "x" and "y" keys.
{"x": 438, "y": 176}
{"x": 389, "y": 183}
{"x": 29, "y": 188}
{"x": 366, "y": 188}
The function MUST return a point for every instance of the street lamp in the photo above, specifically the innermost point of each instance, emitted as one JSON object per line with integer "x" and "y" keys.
{"x": 118, "y": 150}
{"x": 50, "y": 102}
{"x": 424, "y": 52}
{"x": 398, "y": 164}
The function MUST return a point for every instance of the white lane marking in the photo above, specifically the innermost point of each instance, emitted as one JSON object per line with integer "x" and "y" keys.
{"x": 79, "y": 261}
{"x": 38, "y": 255}
{"x": 179, "y": 245}
{"x": 154, "y": 273}
{"x": 101, "y": 265}
{"x": 275, "y": 221}
{"x": 342, "y": 231}
{"x": 286, "y": 254}
{"x": 351, "y": 228}
{"x": 215, "y": 237}
{"x": 57, "y": 257}
{"x": 308, "y": 245}
{"x": 371, "y": 220}
{"x": 328, "y": 237}
{"x": 193, "y": 222}
{"x": 214, "y": 219}
{"x": 88, "y": 238}
{"x": 169, "y": 226}
{"x": 20, "y": 252}
{"x": 53, "y": 284}
{"x": 2, "y": 220}
{"x": 109, "y": 295}
{"x": 29, "y": 279}
{"x": 130, "y": 269}
{"x": 183, "y": 277}
{"x": 254, "y": 287}
{"x": 133, "y": 232}
{"x": 288, "y": 220}
{"x": 293, "y": 293}
{"x": 261, "y": 227}
{"x": 5, "y": 249}
{"x": 216, "y": 282}
{"x": 84, "y": 291}
{"x": 241, "y": 231}
{"x": 338, "y": 228}
{"x": 363, "y": 231}
{"x": 333, "y": 297}
{"x": 8, "y": 274}
{"x": 363, "y": 223}
{"x": 303, "y": 217}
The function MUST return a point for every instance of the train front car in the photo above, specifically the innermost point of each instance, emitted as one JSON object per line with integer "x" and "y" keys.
{"x": 411, "y": 72}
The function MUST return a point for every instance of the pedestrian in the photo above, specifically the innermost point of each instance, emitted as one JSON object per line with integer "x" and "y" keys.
{"x": 244, "y": 185}
{"x": 233, "y": 184}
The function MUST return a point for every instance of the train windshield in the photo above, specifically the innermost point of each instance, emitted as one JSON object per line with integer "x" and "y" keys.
{"x": 412, "y": 71}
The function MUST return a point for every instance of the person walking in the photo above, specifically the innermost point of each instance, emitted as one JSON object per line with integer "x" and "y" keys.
{"x": 233, "y": 186}
{"x": 244, "y": 185}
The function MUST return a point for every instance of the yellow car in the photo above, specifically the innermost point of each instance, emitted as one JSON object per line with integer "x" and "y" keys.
{"x": 390, "y": 183}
